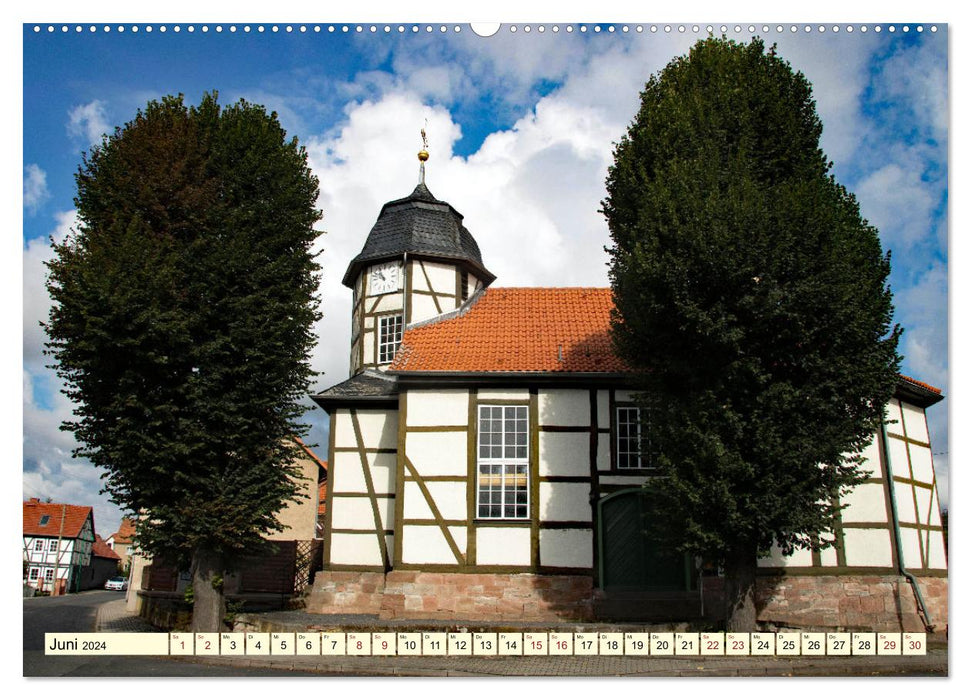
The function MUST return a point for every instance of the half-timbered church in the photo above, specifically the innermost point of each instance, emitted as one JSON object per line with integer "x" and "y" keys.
{"x": 484, "y": 463}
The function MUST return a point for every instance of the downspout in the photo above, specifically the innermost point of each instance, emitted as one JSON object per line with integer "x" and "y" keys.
{"x": 928, "y": 625}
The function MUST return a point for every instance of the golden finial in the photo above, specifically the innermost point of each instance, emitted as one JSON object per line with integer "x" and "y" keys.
{"x": 423, "y": 153}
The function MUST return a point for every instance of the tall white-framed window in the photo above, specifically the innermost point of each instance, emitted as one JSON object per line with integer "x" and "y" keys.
{"x": 33, "y": 574}
{"x": 53, "y": 546}
{"x": 502, "y": 483}
{"x": 389, "y": 337}
{"x": 632, "y": 446}
{"x": 38, "y": 545}
{"x": 48, "y": 574}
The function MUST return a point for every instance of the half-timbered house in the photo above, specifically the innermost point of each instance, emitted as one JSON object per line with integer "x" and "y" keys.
{"x": 484, "y": 462}
{"x": 57, "y": 545}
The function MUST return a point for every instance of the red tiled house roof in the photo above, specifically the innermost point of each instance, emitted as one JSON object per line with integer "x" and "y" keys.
{"x": 101, "y": 549}
{"x": 74, "y": 519}
{"x": 126, "y": 532}
{"x": 517, "y": 329}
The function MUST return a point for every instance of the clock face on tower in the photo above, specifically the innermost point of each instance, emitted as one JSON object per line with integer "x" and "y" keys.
{"x": 384, "y": 278}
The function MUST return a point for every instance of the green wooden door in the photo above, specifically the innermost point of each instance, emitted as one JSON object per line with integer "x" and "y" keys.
{"x": 629, "y": 558}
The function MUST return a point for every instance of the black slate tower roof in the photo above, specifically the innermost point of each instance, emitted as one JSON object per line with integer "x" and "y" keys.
{"x": 422, "y": 225}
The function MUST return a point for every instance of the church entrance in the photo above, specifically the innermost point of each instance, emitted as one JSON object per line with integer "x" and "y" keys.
{"x": 629, "y": 558}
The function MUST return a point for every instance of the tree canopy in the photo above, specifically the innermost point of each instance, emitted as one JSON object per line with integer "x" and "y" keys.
{"x": 181, "y": 321}
{"x": 752, "y": 299}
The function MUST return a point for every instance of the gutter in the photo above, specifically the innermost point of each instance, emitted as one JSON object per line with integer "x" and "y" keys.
{"x": 885, "y": 444}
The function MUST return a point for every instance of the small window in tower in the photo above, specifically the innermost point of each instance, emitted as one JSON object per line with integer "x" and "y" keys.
{"x": 465, "y": 286}
{"x": 389, "y": 337}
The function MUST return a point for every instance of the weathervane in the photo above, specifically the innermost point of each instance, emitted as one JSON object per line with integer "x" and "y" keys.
{"x": 423, "y": 154}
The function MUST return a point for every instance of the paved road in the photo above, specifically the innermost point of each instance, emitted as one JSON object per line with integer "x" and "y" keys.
{"x": 77, "y": 613}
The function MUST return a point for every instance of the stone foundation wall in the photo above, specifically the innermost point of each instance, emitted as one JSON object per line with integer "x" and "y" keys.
{"x": 435, "y": 596}
{"x": 852, "y": 603}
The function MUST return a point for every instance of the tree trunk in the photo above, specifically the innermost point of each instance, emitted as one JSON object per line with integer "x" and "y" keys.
{"x": 740, "y": 569}
{"x": 209, "y": 603}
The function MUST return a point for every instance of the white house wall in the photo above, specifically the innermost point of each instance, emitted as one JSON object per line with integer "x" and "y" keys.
{"x": 427, "y": 491}
{"x": 503, "y": 546}
{"x": 566, "y": 548}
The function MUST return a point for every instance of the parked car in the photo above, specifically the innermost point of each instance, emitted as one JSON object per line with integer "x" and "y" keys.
{"x": 116, "y": 583}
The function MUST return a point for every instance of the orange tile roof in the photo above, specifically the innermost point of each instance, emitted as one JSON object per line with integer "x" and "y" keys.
{"x": 74, "y": 518}
{"x": 517, "y": 329}
{"x": 101, "y": 549}
{"x": 920, "y": 383}
{"x": 126, "y": 531}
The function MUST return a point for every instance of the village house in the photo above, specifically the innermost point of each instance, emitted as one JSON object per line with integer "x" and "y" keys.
{"x": 121, "y": 541}
{"x": 484, "y": 463}
{"x": 58, "y": 540}
{"x": 265, "y": 578}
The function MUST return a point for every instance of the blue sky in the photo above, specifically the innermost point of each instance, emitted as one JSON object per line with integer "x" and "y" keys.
{"x": 520, "y": 126}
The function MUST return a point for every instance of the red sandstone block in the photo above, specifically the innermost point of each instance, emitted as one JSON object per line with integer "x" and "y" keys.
{"x": 871, "y": 604}
{"x": 398, "y": 576}
{"x": 430, "y": 603}
{"x": 431, "y": 579}
{"x": 509, "y": 608}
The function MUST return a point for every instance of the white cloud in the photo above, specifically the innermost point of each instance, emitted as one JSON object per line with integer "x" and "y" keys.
{"x": 88, "y": 121}
{"x": 37, "y": 302}
{"x": 35, "y": 188}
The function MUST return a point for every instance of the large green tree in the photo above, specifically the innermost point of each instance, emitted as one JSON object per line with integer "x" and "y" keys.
{"x": 752, "y": 300}
{"x": 181, "y": 326}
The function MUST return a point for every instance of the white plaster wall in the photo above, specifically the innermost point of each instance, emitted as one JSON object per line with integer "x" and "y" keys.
{"x": 503, "y": 394}
{"x": 893, "y": 417}
{"x": 354, "y": 513}
{"x": 346, "y": 476}
{"x": 450, "y": 499}
{"x": 507, "y": 546}
{"x": 936, "y": 558}
{"x": 603, "y": 452}
{"x": 905, "y": 503}
{"x": 425, "y": 544}
{"x": 360, "y": 550}
{"x": 442, "y": 277}
{"x": 827, "y": 557}
{"x": 564, "y": 502}
{"x": 386, "y": 303}
{"x": 568, "y": 548}
{"x": 867, "y": 547}
{"x": 603, "y": 409}
{"x": 865, "y": 504}
{"x": 438, "y": 454}
{"x": 368, "y": 340}
{"x": 898, "y": 458}
{"x": 921, "y": 464}
{"x": 915, "y": 422}
{"x": 924, "y": 497}
{"x": 423, "y": 307}
{"x": 801, "y": 557}
{"x": 564, "y": 407}
{"x": 379, "y": 429}
{"x": 909, "y": 539}
{"x": 564, "y": 454}
{"x": 935, "y": 509}
{"x": 445, "y": 407}
{"x": 871, "y": 459}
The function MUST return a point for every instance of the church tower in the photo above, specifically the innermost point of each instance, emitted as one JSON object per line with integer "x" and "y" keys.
{"x": 418, "y": 262}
